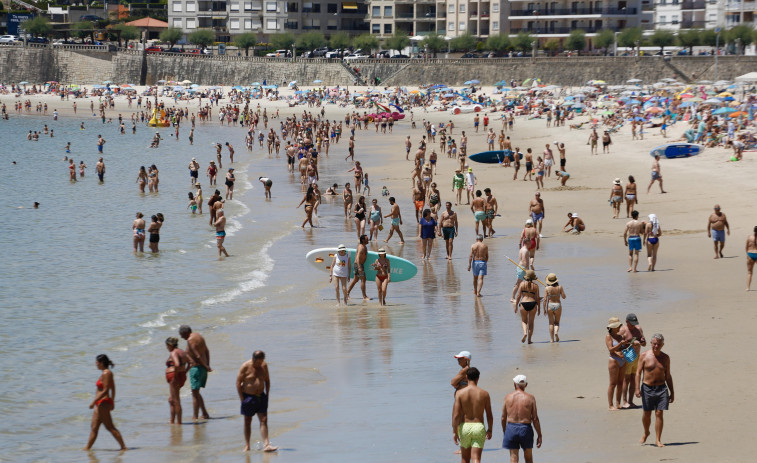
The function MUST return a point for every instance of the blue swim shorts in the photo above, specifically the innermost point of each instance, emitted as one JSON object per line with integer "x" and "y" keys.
{"x": 518, "y": 436}
{"x": 718, "y": 235}
{"x": 479, "y": 268}
{"x": 634, "y": 243}
{"x": 537, "y": 217}
{"x": 198, "y": 376}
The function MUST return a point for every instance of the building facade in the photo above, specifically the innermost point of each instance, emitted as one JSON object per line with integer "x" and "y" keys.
{"x": 480, "y": 19}
{"x": 675, "y": 15}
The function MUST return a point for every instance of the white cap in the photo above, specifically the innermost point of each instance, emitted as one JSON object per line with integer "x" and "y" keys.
{"x": 463, "y": 354}
{"x": 529, "y": 222}
{"x": 520, "y": 380}
{"x": 341, "y": 247}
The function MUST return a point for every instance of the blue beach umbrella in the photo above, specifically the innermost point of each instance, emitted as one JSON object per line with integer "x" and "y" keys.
{"x": 433, "y": 87}
{"x": 256, "y": 84}
{"x": 724, "y": 111}
{"x": 317, "y": 81}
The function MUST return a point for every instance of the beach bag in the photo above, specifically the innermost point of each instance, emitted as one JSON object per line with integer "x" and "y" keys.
{"x": 630, "y": 354}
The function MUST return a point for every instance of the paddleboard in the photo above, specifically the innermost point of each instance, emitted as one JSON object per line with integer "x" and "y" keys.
{"x": 401, "y": 269}
{"x": 490, "y": 157}
{"x": 677, "y": 150}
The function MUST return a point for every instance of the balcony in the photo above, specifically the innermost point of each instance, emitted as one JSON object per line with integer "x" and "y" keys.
{"x": 561, "y": 30}
{"x": 693, "y": 5}
{"x": 574, "y": 12}
{"x": 403, "y": 15}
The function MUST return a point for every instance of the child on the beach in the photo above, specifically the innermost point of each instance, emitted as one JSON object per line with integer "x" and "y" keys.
{"x": 192, "y": 203}
{"x": 385, "y": 191}
{"x": 366, "y": 188}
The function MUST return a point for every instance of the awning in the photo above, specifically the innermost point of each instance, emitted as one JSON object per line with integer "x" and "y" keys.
{"x": 349, "y": 5}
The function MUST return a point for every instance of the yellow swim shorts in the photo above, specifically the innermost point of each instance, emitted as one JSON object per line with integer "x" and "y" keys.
{"x": 631, "y": 367}
{"x": 471, "y": 435}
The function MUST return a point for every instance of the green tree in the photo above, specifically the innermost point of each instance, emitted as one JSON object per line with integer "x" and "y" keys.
{"x": 465, "y": 42}
{"x": 339, "y": 41}
{"x": 366, "y": 42}
{"x": 398, "y": 41}
{"x": 37, "y": 26}
{"x": 523, "y": 41}
{"x": 282, "y": 41}
{"x": 171, "y": 35}
{"x": 576, "y": 40}
{"x": 498, "y": 43}
{"x": 203, "y": 38}
{"x": 708, "y": 38}
{"x": 128, "y": 33}
{"x": 662, "y": 38}
{"x": 434, "y": 42}
{"x": 551, "y": 46}
{"x": 743, "y": 32}
{"x": 310, "y": 40}
{"x": 628, "y": 37}
{"x": 604, "y": 39}
{"x": 690, "y": 39}
{"x": 84, "y": 29}
{"x": 246, "y": 40}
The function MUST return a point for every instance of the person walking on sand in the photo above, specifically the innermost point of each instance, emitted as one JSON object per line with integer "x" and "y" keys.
{"x": 199, "y": 367}
{"x": 458, "y": 181}
{"x": 654, "y": 385}
{"x": 537, "y": 210}
{"x": 340, "y": 268}
{"x": 616, "y": 365}
{"x": 477, "y": 261}
{"x": 383, "y": 275}
{"x": 633, "y": 334}
{"x": 520, "y": 270}
{"x": 358, "y": 267}
{"x": 530, "y": 237}
{"x": 309, "y": 200}
{"x": 176, "y": 376}
{"x": 254, "y": 386}
{"x": 751, "y": 257}
{"x": 519, "y": 420}
{"x": 651, "y": 238}
{"x": 468, "y": 428}
{"x": 396, "y": 217}
{"x": 632, "y": 239}
{"x": 616, "y": 197}
{"x": 528, "y": 299}
{"x": 593, "y": 139}
{"x": 631, "y": 198}
{"x": 656, "y": 174}
{"x": 717, "y": 227}
{"x": 104, "y": 403}
{"x": 220, "y": 224}
{"x": 553, "y": 306}
{"x": 478, "y": 208}
{"x": 448, "y": 226}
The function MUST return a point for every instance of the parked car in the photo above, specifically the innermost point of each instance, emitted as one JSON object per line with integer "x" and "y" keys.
{"x": 336, "y": 53}
{"x": 37, "y": 40}
{"x": 8, "y": 39}
{"x": 319, "y": 52}
{"x": 470, "y": 55}
{"x": 400, "y": 55}
{"x": 175, "y": 50}
{"x": 279, "y": 54}
{"x": 154, "y": 50}
{"x": 91, "y": 17}
{"x": 355, "y": 56}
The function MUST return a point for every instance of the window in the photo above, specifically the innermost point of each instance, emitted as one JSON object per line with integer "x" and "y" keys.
{"x": 662, "y": 2}
{"x": 271, "y": 24}
{"x": 662, "y": 19}
{"x": 461, "y": 27}
{"x": 674, "y": 19}
{"x": 257, "y": 6}
{"x": 375, "y": 28}
{"x": 495, "y": 8}
{"x": 332, "y": 25}
{"x": 177, "y": 7}
{"x": 451, "y": 8}
{"x": 234, "y": 24}
{"x": 191, "y": 7}
{"x": 191, "y": 23}
{"x": 307, "y": 7}
{"x": 271, "y": 6}
{"x": 462, "y": 8}
{"x": 495, "y": 25}
{"x": 376, "y": 11}
{"x": 247, "y": 6}
{"x": 388, "y": 11}
{"x": 332, "y": 7}
{"x": 317, "y": 8}
{"x": 234, "y": 7}
{"x": 387, "y": 28}
{"x": 177, "y": 22}
{"x": 248, "y": 24}
{"x": 451, "y": 26}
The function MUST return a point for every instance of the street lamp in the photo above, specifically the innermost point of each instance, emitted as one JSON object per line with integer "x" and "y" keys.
{"x": 717, "y": 51}
{"x": 616, "y": 42}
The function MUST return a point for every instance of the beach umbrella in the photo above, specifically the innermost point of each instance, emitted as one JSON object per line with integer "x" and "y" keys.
{"x": 739, "y": 114}
{"x": 633, "y": 102}
{"x": 448, "y": 95}
{"x": 724, "y": 111}
{"x": 696, "y": 99}
{"x": 713, "y": 101}
{"x": 317, "y": 81}
{"x": 98, "y": 86}
{"x": 256, "y": 84}
{"x": 126, "y": 86}
{"x": 270, "y": 86}
{"x": 194, "y": 86}
{"x": 686, "y": 104}
{"x": 725, "y": 94}
{"x": 633, "y": 81}
{"x": 705, "y": 82}
{"x": 23, "y": 83}
{"x": 654, "y": 110}
{"x": 501, "y": 83}
{"x": 215, "y": 87}
{"x": 186, "y": 82}
{"x": 107, "y": 82}
{"x": 728, "y": 98}
{"x": 434, "y": 87}
{"x": 607, "y": 113}
{"x": 292, "y": 83}
{"x": 161, "y": 81}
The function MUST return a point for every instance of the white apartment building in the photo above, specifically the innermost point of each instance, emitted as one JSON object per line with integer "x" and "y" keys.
{"x": 555, "y": 19}
{"x": 675, "y": 15}
{"x": 737, "y": 12}
{"x": 478, "y": 18}
{"x": 414, "y": 17}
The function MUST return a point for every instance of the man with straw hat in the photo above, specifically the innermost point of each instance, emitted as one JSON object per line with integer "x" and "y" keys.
{"x": 519, "y": 419}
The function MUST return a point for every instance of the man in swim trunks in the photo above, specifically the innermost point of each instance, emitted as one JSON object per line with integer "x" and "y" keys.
{"x": 448, "y": 228}
{"x": 593, "y": 138}
{"x": 358, "y": 267}
{"x": 396, "y": 217}
{"x": 656, "y": 174}
{"x": 194, "y": 170}
{"x": 477, "y": 260}
{"x": 419, "y": 199}
{"x": 631, "y": 330}
{"x": 220, "y": 225}
{"x": 656, "y": 390}
{"x": 100, "y": 144}
{"x": 536, "y": 209}
{"x": 470, "y": 183}
{"x": 100, "y": 169}
{"x": 253, "y": 387}
{"x": 518, "y": 416}
{"x": 717, "y": 227}
{"x": 408, "y": 145}
{"x": 199, "y": 367}
{"x": 478, "y": 208}
{"x": 491, "y": 211}
{"x": 267, "y": 184}
{"x": 632, "y": 239}
{"x": 468, "y": 429}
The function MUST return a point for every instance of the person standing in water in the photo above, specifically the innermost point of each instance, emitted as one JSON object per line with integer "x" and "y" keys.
{"x": 340, "y": 268}
{"x": 104, "y": 403}
{"x": 138, "y": 227}
{"x": 199, "y": 367}
{"x": 100, "y": 169}
{"x": 220, "y": 224}
{"x": 461, "y": 379}
{"x": 176, "y": 377}
{"x": 253, "y": 387}
{"x": 632, "y": 239}
{"x": 383, "y": 275}
{"x": 477, "y": 262}
{"x": 751, "y": 257}
{"x": 358, "y": 267}
{"x": 518, "y": 416}
{"x": 528, "y": 298}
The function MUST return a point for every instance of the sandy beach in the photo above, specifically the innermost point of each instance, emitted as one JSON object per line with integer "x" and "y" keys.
{"x": 697, "y": 302}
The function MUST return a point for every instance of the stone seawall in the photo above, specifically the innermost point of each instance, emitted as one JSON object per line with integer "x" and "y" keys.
{"x": 90, "y": 67}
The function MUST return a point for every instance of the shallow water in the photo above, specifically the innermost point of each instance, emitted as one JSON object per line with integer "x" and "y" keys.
{"x": 359, "y": 382}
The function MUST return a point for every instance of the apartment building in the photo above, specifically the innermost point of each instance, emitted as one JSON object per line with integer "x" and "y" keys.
{"x": 736, "y": 12}
{"x": 478, "y": 18}
{"x": 675, "y": 15}
{"x": 414, "y": 17}
{"x": 556, "y": 19}
{"x": 266, "y": 17}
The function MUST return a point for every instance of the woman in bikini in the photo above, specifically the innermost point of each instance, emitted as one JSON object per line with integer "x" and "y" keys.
{"x": 651, "y": 239}
{"x": 631, "y": 199}
{"x": 528, "y": 300}
{"x": 309, "y": 201}
{"x": 616, "y": 364}
{"x": 142, "y": 179}
{"x": 616, "y": 197}
{"x": 751, "y": 257}
{"x": 104, "y": 402}
{"x": 347, "y": 197}
{"x": 360, "y": 209}
{"x": 154, "y": 230}
{"x": 552, "y": 305}
{"x": 434, "y": 199}
{"x": 358, "y": 176}
{"x": 530, "y": 237}
{"x": 176, "y": 375}
{"x": 383, "y": 275}
{"x": 138, "y": 226}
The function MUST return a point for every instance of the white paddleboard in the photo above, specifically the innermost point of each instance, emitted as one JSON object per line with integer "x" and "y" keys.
{"x": 400, "y": 269}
